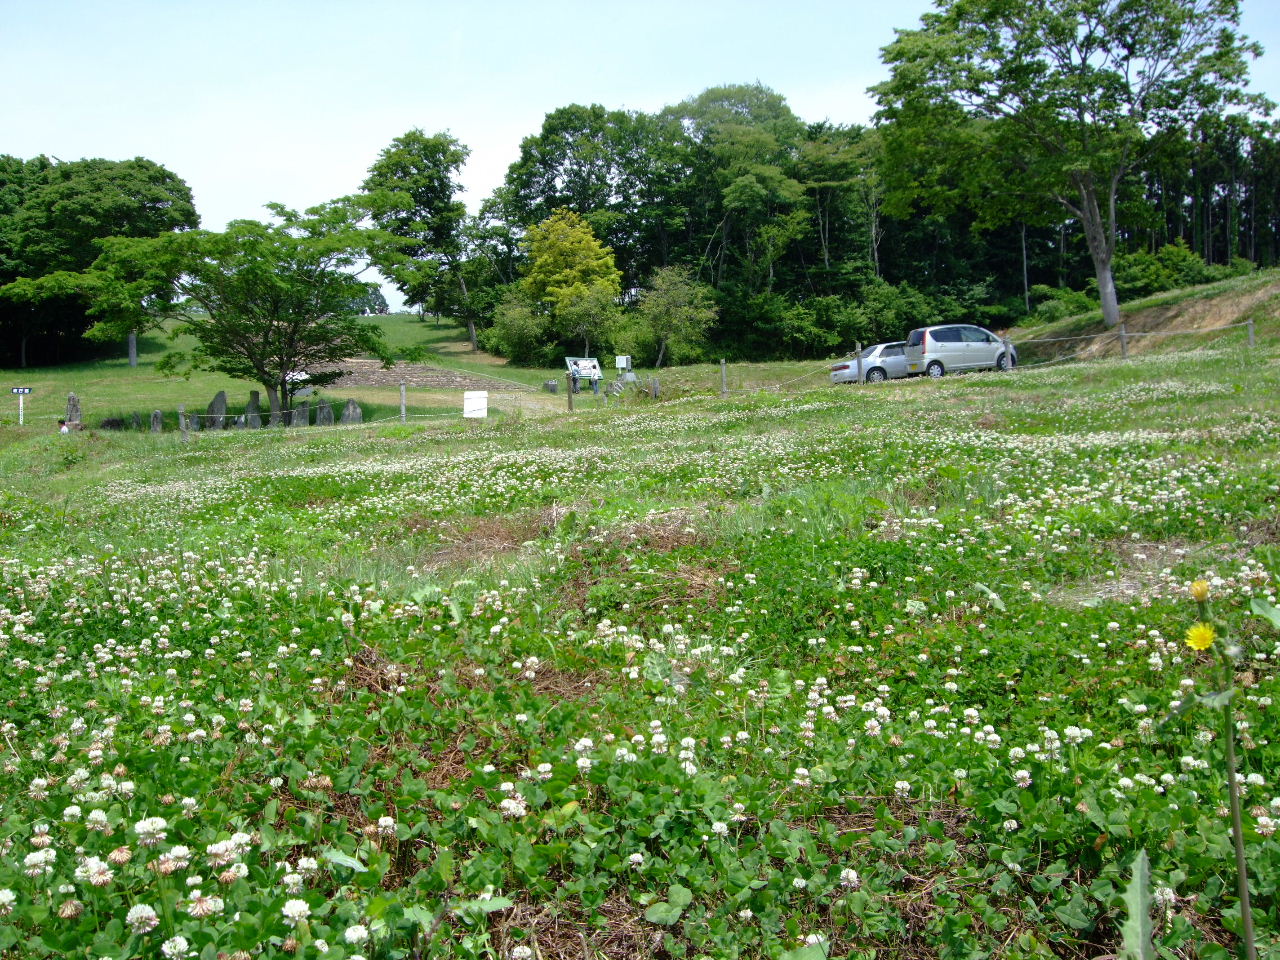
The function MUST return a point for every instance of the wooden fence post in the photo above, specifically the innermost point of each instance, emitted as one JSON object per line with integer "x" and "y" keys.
{"x": 858, "y": 348}
{"x": 1251, "y": 343}
{"x": 724, "y": 376}
{"x": 404, "y": 409}
{"x": 182, "y": 421}
{"x": 1124, "y": 342}
{"x": 568, "y": 383}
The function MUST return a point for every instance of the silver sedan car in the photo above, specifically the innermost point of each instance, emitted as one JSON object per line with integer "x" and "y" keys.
{"x": 883, "y": 361}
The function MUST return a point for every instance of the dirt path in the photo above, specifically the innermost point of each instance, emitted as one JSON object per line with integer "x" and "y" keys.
{"x": 369, "y": 373}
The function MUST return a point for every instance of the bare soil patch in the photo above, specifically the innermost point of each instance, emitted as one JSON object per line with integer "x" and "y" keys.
{"x": 369, "y": 373}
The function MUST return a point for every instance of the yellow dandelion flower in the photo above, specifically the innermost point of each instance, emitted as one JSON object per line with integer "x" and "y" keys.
{"x": 1199, "y": 590}
{"x": 1200, "y": 636}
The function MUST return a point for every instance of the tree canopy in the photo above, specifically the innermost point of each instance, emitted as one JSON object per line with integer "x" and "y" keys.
{"x": 414, "y": 186}
{"x": 1053, "y": 100}
{"x": 566, "y": 262}
{"x": 53, "y": 219}
{"x": 262, "y": 300}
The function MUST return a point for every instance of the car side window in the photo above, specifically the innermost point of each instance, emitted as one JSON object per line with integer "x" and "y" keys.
{"x": 891, "y": 352}
{"x": 974, "y": 335}
{"x": 946, "y": 335}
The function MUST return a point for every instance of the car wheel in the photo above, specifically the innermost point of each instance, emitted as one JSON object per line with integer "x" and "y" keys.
{"x": 1002, "y": 362}
{"x": 935, "y": 369}
{"x": 876, "y": 375}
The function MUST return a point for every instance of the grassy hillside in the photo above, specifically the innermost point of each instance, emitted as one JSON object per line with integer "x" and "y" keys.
{"x": 871, "y": 672}
{"x": 1159, "y": 323}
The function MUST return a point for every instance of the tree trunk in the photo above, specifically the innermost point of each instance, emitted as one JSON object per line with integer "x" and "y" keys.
{"x": 466, "y": 311}
{"x": 1107, "y": 293}
{"x": 1026, "y": 290}
{"x": 273, "y": 404}
{"x": 22, "y": 352}
{"x": 1100, "y": 238}
{"x": 662, "y": 351}
{"x": 133, "y": 348}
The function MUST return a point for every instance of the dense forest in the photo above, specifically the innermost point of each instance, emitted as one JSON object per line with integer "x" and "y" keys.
{"x": 725, "y": 225}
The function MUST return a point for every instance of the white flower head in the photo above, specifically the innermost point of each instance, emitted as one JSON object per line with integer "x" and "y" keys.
{"x": 295, "y": 912}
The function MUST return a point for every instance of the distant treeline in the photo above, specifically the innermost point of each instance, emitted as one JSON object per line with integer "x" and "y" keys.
{"x": 785, "y": 221}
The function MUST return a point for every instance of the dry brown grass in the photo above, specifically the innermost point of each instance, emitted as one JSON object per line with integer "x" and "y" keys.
{"x": 617, "y": 931}
{"x": 472, "y": 541}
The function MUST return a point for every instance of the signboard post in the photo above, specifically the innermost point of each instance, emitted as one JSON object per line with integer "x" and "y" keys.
{"x": 22, "y": 395}
{"x": 475, "y": 404}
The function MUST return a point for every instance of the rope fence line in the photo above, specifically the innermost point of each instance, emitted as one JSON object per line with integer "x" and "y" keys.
{"x": 1120, "y": 334}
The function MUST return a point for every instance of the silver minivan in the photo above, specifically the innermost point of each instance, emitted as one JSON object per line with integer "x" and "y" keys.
{"x": 950, "y": 347}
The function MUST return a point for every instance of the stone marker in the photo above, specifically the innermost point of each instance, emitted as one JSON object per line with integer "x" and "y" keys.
{"x": 193, "y": 422}
{"x": 551, "y": 386}
{"x": 73, "y": 408}
{"x": 217, "y": 411}
{"x": 157, "y": 421}
{"x": 351, "y": 413}
{"x": 324, "y": 414}
{"x": 301, "y": 415}
{"x": 253, "y": 412}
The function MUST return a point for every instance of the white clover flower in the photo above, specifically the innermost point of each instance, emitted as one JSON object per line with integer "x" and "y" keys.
{"x": 175, "y": 947}
{"x": 356, "y": 934}
{"x": 295, "y": 912}
{"x": 1010, "y": 825}
{"x": 1165, "y": 897}
{"x": 719, "y": 828}
{"x": 849, "y": 878}
{"x": 1265, "y": 826}
{"x": 799, "y": 883}
{"x": 39, "y": 863}
{"x": 7, "y": 899}
{"x": 292, "y": 882}
{"x": 308, "y": 865}
{"x": 198, "y": 905}
{"x": 902, "y": 788}
{"x": 521, "y": 952}
{"x": 1022, "y": 778}
{"x": 387, "y": 826}
{"x": 513, "y": 806}
{"x": 150, "y": 832}
{"x": 636, "y": 860}
{"x": 95, "y": 871}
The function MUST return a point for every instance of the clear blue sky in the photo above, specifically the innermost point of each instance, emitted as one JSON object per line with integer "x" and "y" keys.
{"x": 290, "y": 101}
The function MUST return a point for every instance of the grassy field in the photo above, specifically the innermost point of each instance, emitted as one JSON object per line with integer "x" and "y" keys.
{"x": 864, "y": 672}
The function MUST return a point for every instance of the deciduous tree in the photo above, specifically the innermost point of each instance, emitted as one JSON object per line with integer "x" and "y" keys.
{"x": 414, "y": 181}
{"x": 262, "y": 300}
{"x": 1056, "y": 99}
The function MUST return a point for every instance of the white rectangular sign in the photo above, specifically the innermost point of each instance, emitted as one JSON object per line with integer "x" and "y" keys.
{"x": 475, "y": 404}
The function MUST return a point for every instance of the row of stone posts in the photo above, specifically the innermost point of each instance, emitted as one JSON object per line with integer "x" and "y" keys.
{"x": 216, "y": 416}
